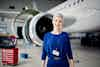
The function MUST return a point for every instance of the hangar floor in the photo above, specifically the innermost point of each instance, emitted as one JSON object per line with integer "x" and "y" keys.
{"x": 83, "y": 56}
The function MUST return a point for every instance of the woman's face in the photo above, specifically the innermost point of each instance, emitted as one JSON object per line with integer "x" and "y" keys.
{"x": 58, "y": 22}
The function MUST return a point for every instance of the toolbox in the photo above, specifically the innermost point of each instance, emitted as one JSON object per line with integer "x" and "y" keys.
{"x": 10, "y": 56}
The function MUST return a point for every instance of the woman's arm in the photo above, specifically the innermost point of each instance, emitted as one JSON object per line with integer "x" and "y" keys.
{"x": 70, "y": 55}
{"x": 44, "y": 53}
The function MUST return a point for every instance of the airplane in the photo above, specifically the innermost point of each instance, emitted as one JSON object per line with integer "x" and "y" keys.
{"x": 79, "y": 16}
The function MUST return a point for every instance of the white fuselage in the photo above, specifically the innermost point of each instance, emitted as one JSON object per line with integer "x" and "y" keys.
{"x": 80, "y": 17}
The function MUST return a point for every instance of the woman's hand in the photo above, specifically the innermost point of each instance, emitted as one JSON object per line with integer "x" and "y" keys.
{"x": 43, "y": 63}
{"x": 71, "y": 62}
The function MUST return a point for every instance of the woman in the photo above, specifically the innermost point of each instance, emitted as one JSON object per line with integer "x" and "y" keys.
{"x": 57, "y": 46}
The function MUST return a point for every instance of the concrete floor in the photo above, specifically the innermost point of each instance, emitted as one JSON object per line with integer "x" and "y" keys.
{"x": 84, "y": 57}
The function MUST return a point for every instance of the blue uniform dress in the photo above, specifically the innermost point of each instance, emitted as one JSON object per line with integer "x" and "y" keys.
{"x": 61, "y": 44}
